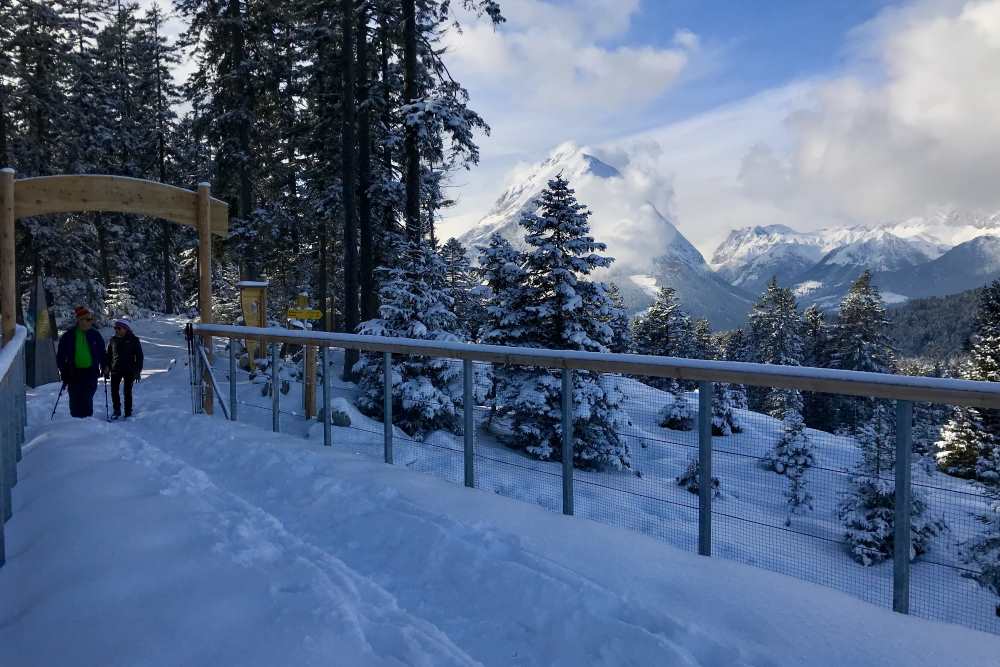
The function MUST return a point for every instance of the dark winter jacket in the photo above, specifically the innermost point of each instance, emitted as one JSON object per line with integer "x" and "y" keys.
{"x": 65, "y": 356}
{"x": 125, "y": 355}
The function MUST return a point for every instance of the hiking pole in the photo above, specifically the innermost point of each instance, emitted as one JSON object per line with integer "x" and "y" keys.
{"x": 58, "y": 398}
{"x": 107, "y": 412}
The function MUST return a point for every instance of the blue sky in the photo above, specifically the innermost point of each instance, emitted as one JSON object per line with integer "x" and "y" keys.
{"x": 808, "y": 113}
{"x": 758, "y": 44}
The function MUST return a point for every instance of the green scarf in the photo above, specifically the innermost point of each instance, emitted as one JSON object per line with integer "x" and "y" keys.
{"x": 81, "y": 355}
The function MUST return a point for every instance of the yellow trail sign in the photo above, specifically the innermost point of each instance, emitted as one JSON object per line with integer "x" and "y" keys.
{"x": 305, "y": 314}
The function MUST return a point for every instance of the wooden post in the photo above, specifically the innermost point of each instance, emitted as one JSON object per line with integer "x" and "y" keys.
{"x": 8, "y": 275}
{"x": 309, "y": 393}
{"x": 204, "y": 218}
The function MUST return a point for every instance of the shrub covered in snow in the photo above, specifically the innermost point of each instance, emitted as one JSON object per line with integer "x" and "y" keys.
{"x": 869, "y": 515}
{"x": 689, "y": 479}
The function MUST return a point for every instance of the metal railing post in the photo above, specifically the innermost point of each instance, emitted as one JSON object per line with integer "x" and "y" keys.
{"x": 469, "y": 413}
{"x": 327, "y": 431}
{"x": 233, "y": 400}
{"x": 387, "y": 407}
{"x": 901, "y": 527}
{"x": 6, "y": 451}
{"x": 567, "y": 440}
{"x": 705, "y": 468}
{"x": 275, "y": 391}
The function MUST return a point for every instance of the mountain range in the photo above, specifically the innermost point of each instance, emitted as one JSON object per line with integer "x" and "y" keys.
{"x": 944, "y": 253}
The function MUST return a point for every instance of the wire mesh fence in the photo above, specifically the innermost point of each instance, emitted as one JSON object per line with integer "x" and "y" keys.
{"x": 821, "y": 511}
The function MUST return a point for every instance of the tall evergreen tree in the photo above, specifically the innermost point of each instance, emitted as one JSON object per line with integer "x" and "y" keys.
{"x": 817, "y": 408}
{"x": 563, "y": 309}
{"x": 860, "y": 342}
{"x": 414, "y": 304}
{"x": 775, "y": 337}
{"x": 462, "y": 282}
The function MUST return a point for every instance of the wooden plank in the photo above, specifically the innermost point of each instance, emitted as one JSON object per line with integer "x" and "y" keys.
{"x": 8, "y": 273}
{"x": 115, "y": 194}
{"x": 849, "y": 383}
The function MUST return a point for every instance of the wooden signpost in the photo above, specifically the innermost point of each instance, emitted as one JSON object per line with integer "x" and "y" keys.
{"x": 302, "y": 311}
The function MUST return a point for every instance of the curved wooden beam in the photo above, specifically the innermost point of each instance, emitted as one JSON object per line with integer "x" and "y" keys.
{"x": 115, "y": 194}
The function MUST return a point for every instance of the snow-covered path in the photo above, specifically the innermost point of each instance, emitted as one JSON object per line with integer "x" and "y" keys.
{"x": 174, "y": 539}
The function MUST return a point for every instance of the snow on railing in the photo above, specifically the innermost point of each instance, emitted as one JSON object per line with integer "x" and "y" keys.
{"x": 12, "y": 422}
{"x": 905, "y": 390}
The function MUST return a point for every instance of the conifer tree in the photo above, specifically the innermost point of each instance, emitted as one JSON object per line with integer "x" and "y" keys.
{"x": 775, "y": 338}
{"x": 502, "y": 271}
{"x": 461, "y": 282}
{"x": 563, "y": 309}
{"x": 983, "y": 551}
{"x": 817, "y": 408}
{"x": 621, "y": 327}
{"x": 869, "y": 512}
{"x": 664, "y": 330}
{"x": 973, "y": 434}
{"x": 860, "y": 342}
{"x": 414, "y": 304}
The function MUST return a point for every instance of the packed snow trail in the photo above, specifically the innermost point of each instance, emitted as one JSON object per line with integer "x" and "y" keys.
{"x": 172, "y": 539}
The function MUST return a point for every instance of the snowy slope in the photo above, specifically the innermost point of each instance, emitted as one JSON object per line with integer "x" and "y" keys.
{"x": 175, "y": 539}
{"x": 966, "y": 266}
{"x": 645, "y": 242}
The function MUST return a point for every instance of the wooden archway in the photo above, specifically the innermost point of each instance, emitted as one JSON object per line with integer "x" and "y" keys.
{"x": 29, "y": 197}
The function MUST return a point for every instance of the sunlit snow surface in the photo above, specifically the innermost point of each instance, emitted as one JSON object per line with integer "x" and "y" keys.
{"x": 180, "y": 540}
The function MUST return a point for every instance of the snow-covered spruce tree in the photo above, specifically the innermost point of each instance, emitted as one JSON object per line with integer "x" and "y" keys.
{"x": 562, "y": 309}
{"x": 794, "y": 455}
{"x": 860, "y": 342}
{"x": 868, "y": 512}
{"x": 725, "y": 401}
{"x": 621, "y": 331}
{"x": 461, "y": 282}
{"x": 817, "y": 408}
{"x": 973, "y": 434}
{"x": 982, "y": 553}
{"x": 502, "y": 272}
{"x": 929, "y": 419}
{"x": 414, "y": 304}
{"x": 663, "y": 330}
{"x": 775, "y": 338}
{"x": 689, "y": 479}
{"x": 734, "y": 348}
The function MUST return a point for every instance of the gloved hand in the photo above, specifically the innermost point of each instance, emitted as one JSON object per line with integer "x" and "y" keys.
{"x": 138, "y": 377}
{"x": 106, "y": 373}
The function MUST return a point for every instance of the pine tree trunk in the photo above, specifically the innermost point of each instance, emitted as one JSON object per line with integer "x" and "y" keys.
{"x": 161, "y": 156}
{"x": 388, "y": 212}
{"x": 369, "y": 302}
{"x": 413, "y": 226}
{"x": 237, "y": 52}
{"x": 348, "y": 177}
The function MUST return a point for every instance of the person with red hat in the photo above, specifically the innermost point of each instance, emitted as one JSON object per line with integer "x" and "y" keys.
{"x": 81, "y": 362}
{"x": 125, "y": 364}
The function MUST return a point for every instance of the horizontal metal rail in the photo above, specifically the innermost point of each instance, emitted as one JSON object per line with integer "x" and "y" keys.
{"x": 831, "y": 381}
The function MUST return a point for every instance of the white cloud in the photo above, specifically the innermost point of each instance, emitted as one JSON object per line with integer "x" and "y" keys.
{"x": 548, "y": 75}
{"x": 925, "y": 134}
{"x": 913, "y": 124}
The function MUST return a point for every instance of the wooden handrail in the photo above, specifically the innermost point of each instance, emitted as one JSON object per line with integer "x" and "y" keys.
{"x": 825, "y": 380}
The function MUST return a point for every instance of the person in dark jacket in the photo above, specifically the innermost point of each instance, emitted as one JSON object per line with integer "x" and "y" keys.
{"x": 81, "y": 360}
{"x": 125, "y": 363}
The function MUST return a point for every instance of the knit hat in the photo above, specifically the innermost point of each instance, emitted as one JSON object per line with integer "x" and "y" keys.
{"x": 123, "y": 323}
{"x": 81, "y": 311}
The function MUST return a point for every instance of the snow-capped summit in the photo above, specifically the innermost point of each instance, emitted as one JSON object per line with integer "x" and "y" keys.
{"x": 749, "y": 257}
{"x": 650, "y": 250}
{"x": 568, "y": 159}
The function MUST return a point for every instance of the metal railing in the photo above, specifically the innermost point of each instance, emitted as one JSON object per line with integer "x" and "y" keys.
{"x": 904, "y": 390}
{"x": 13, "y": 416}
